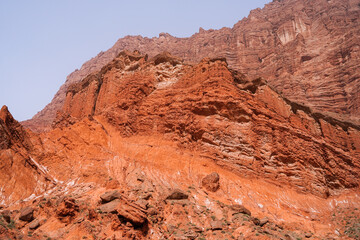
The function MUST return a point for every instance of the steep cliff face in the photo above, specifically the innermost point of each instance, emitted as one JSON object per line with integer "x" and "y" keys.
{"x": 244, "y": 126}
{"x": 131, "y": 153}
{"x": 307, "y": 50}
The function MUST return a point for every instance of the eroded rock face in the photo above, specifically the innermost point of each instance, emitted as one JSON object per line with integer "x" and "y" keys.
{"x": 308, "y": 51}
{"x": 247, "y": 127}
{"x": 152, "y": 130}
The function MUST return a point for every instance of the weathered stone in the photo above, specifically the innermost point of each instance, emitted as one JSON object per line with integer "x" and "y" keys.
{"x": 263, "y": 221}
{"x": 211, "y": 182}
{"x": 182, "y": 202}
{"x": 26, "y": 214}
{"x": 132, "y": 214}
{"x": 67, "y": 209}
{"x": 145, "y": 196}
{"x": 237, "y": 208}
{"x": 92, "y": 215}
{"x": 290, "y": 237}
{"x": 34, "y": 224}
{"x": 110, "y": 196}
{"x": 110, "y": 207}
{"x": 177, "y": 194}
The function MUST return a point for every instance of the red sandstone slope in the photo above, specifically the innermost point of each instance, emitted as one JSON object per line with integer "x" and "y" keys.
{"x": 253, "y": 132}
{"x": 20, "y": 175}
{"x": 308, "y": 50}
{"x": 146, "y": 127}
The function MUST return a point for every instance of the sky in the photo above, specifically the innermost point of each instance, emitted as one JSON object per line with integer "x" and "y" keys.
{"x": 43, "y": 41}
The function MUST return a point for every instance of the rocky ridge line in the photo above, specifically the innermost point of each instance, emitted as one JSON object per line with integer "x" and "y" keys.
{"x": 307, "y": 50}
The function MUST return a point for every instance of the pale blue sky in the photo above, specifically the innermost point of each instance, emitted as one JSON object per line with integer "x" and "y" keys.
{"x": 42, "y": 41}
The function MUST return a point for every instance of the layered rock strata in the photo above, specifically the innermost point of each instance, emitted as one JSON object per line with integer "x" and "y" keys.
{"x": 307, "y": 50}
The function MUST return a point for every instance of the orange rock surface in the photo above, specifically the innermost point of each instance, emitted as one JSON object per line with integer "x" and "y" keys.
{"x": 307, "y": 50}
{"x": 147, "y": 126}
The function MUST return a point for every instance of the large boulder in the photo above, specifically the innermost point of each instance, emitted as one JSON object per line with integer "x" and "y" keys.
{"x": 237, "y": 208}
{"x": 211, "y": 182}
{"x": 26, "y": 214}
{"x": 110, "y": 196}
{"x": 177, "y": 194}
{"x": 34, "y": 224}
{"x": 132, "y": 213}
{"x": 110, "y": 207}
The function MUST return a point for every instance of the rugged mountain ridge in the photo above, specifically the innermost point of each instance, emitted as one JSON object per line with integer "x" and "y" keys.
{"x": 139, "y": 143}
{"x": 307, "y": 50}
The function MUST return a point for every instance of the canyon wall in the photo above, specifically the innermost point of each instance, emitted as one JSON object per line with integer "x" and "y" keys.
{"x": 306, "y": 50}
{"x": 242, "y": 125}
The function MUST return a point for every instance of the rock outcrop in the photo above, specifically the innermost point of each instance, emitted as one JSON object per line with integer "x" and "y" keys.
{"x": 20, "y": 175}
{"x": 151, "y": 129}
{"x": 246, "y": 127}
{"x": 306, "y": 50}
{"x": 211, "y": 182}
{"x": 27, "y": 214}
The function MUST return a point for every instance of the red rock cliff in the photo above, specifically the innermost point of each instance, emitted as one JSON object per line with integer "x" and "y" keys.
{"x": 307, "y": 50}
{"x": 244, "y": 126}
{"x": 151, "y": 129}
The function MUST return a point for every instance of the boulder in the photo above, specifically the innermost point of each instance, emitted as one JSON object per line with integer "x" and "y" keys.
{"x": 237, "y": 208}
{"x": 110, "y": 207}
{"x": 263, "y": 221}
{"x": 110, "y": 196}
{"x": 132, "y": 214}
{"x": 177, "y": 194}
{"x": 34, "y": 224}
{"x": 211, "y": 182}
{"x": 26, "y": 214}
